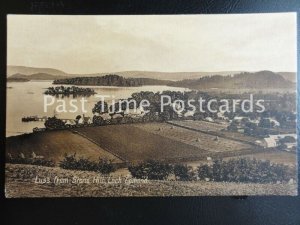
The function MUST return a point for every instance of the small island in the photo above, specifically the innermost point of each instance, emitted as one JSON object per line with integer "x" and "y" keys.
{"x": 112, "y": 80}
{"x": 62, "y": 90}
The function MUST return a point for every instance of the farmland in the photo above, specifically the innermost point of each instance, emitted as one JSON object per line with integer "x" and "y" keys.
{"x": 276, "y": 156}
{"x": 54, "y": 144}
{"x": 207, "y": 142}
{"x": 140, "y": 142}
{"x": 214, "y": 129}
{"x": 132, "y": 143}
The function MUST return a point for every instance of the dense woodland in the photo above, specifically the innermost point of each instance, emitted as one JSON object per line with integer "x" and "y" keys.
{"x": 258, "y": 80}
{"x": 62, "y": 90}
{"x": 112, "y": 80}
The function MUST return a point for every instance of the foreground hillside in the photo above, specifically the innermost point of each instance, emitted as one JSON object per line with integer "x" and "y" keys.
{"x": 54, "y": 144}
{"x": 20, "y": 183}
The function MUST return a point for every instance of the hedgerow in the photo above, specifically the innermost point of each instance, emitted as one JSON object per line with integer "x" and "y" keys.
{"x": 71, "y": 162}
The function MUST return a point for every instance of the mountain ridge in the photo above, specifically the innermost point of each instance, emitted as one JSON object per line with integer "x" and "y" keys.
{"x": 257, "y": 80}
{"x": 172, "y": 76}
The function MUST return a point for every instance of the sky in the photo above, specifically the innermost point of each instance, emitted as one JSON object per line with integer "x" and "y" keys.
{"x": 166, "y": 43}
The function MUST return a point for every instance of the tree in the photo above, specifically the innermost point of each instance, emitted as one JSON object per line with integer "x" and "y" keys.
{"x": 265, "y": 123}
{"x": 53, "y": 123}
{"x": 100, "y": 107}
{"x": 183, "y": 173}
{"x": 98, "y": 120}
{"x": 152, "y": 170}
{"x": 105, "y": 166}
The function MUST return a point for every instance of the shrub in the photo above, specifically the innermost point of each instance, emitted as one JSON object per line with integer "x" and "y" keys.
{"x": 183, "y": 172}
{"x": 204, "y": 171}
{"x": 98, "y": 120}
{"x": 30, "y": 161}
{"x": 53, "y": 123}
{"x": 105, "y": 166}
{"x": 245, "y": 170}
{"x": 71, "y": 162}
{"x": 152, "y": 170}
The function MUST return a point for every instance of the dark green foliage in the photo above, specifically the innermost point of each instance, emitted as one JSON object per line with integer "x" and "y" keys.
{"x": 72, "y": 163}
{"x": 112, "y": 80}
{"x": 105, "y": 166}
{"x": 265, "y": 123}
{"x": 98, "y": 120}
{"x": 245, "y": 170}
{"x": 204, "y": 171}
{"x": 233, "y": 126}
{"x": 30, "y": 161}
{"x": 151, "y": 170}
{"x": 183, "y": 173}
{"x": 62, "y": 90}
{"x": 69, "y": 162}
{"x": 100, "y": 107}
{"x": 53, "y": 123}
{"x": 261, "y": 79}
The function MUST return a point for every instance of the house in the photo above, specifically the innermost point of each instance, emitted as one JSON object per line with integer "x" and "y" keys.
{"x": 270, "y": 142}
{"x": 139, "y": 112}
{"x": 71, "y": 122}
{"x": 221, "y": 116}
{"x": 116, "y": 116}
{"x": 189, "y": 114}
{"x": 209, "y": 119}
{"x": 105, "y": 116}
{"x": 238, "y": 118}
{"x": 274, "y": 140}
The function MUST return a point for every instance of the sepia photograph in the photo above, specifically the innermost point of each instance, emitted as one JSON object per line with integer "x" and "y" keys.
{"x": 151, "y": 105}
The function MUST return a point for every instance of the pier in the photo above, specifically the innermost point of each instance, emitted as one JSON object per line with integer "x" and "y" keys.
{"x": 42, "y": 119}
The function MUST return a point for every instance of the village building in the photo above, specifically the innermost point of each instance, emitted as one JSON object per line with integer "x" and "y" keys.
{"x": 209, "y": 119}
{"x": 274, "y": 140}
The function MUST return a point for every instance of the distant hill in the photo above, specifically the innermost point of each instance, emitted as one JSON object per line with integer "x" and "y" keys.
{"x": 291, "y": 76}
{"x": 174, "y": 76}
{"x": 112, "y": 80}
{"x": 35, "y": 76}
{"x": 33, "y": 70}
{"x": 53, "y": 74}
{"x": 257, "y": 80}
{"x": 16, "y": 79}
{"x": 11, "y": 70}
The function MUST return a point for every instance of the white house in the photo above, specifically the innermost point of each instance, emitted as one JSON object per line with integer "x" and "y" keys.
{"x": 273, "y": 140}
{"x": 209, "y": 119}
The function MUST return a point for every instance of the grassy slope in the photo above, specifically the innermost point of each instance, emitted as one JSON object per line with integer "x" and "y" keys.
{"x": 135, "y": 144}
{"x": 54, "y": 144}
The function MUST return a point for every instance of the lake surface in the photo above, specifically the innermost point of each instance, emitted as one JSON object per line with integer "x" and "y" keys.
{"x": 27, "y": 99}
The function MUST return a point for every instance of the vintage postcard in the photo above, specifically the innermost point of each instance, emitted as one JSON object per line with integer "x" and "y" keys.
{"x": 151, "y": 105}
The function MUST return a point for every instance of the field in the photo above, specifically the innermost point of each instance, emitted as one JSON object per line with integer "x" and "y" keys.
{"x": 207, "y": 142}
{"x": 280, "y": 157}
{"x": 54, "y": 144}
{"x": 139, "y": 142}
{"x": 132, "y": 143}
{"x": 214, "y": 129}
{"x": 20, "y": 183}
